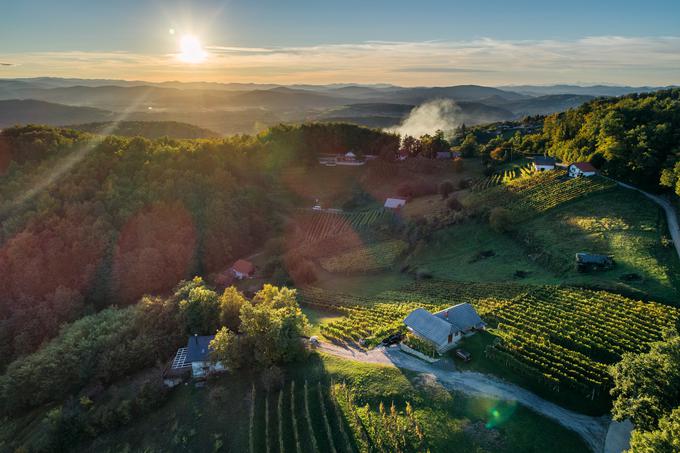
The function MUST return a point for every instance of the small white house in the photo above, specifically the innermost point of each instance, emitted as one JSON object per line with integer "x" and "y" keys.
{"x": 349, "y": 158}
{"x": 444, "y": 329}
{"x": 243, "y": 269}
{"x": 192, "y": 359}
{"x": 395, "y": 203}
{"x": 198, "y": 355}
{"x": 542, "y": 163}
{"x": 578, "y": 169}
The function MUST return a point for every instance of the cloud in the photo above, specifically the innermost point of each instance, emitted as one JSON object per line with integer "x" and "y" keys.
{"x": 613, "y": 59}
{"x": 2, "y": 63}
{"x": 439, "y": 69}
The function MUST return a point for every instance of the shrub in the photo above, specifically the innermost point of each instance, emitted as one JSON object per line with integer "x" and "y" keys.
{"x": 272, "y": 378}
{"x": 445, "y": 189}
{"x": 500, "y": 219}
{"x": 454, "y": 204}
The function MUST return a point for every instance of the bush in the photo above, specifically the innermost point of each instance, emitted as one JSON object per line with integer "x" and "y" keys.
{"x": 272, "y": 378}
{"x": 454, "y": 204}
{"x": 500, "y": 220}
{"x": 445, "y": 189}
{"x": 416, "y": 189}
{"x": 303, "y": 273}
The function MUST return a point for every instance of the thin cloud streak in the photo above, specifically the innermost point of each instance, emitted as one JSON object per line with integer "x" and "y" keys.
{"x": 613, "y": 59}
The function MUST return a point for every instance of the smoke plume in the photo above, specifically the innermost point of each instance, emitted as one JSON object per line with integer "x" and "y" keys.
{"x": 439, "y": 114}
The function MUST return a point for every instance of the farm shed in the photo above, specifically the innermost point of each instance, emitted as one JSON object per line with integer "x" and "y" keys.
{"x": 542, "y": 163}
{"x": 591, "y": 261}
{"x": 445, "y": 328}
{"x": 394, "y": 203}
{"x": 243, "y": 269}
{"x": 581, "y": 169}
{"x": 349, "y": 158}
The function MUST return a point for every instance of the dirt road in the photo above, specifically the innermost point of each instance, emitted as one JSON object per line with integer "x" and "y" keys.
{"x": 671, "y": 215}
{"x": 592, "y": 429}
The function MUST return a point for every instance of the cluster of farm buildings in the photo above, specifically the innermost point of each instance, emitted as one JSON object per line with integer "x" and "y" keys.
{"x": 575, "y": 170}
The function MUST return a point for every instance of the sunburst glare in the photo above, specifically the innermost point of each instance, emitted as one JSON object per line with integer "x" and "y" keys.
{"x": 191, "y": 50}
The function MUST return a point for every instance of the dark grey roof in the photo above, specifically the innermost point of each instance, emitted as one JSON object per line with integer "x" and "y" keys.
{"x": 542, "y": 160}
{"x": 198, "y": 348}
{"x": 462, "y": 317}
{"x": 593, "y": 258}
{"x": 428, "y": 326}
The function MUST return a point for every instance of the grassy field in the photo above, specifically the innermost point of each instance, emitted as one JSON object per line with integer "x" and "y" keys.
{"x": 366, "y": 258}
{"x": 217, "y": 418}
{"x": 318, "y": 316}
{"x": 621, "y": 223}
{"x": 474, "y": 252}
{"x": 542, "y": 243}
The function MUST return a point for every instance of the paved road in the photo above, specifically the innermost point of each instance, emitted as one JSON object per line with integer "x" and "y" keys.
{"x": 592, "y": 429}
{"x": 671, "y": 215}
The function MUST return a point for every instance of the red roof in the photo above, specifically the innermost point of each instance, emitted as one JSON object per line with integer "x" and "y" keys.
{"x": 584, "y": 166}
{"x": 243, "y": 267}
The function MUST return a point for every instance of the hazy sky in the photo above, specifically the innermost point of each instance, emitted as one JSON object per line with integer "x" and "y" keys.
{"x": 370, "y": 41}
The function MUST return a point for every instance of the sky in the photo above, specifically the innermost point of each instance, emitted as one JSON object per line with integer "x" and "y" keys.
{"x": 406, "y": 43}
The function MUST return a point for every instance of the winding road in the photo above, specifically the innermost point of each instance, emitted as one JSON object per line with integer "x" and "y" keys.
{"x": 592, "y": 429}
{"x": 671, "y": 215}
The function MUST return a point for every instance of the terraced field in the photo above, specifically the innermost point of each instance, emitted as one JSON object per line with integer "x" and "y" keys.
{"x": 320, "y": 225}
{"x": 367, "y": 258}
{"x": 536, "y": 192}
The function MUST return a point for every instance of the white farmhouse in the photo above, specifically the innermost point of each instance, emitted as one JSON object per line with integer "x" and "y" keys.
{"x": 581, "y": 169}
{"x": 395, "y": 203}
{"x": 444, "y": 329}
{"x": 542, "y": 163}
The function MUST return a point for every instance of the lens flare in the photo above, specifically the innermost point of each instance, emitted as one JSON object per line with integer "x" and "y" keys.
{"x": 191, "y": 50}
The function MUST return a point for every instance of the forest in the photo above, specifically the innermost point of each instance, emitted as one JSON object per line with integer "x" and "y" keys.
{"x": 89, "y": 222}
{"x": 633, "y": 138}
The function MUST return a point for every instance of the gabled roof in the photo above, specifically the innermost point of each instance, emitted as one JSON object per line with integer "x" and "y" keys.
{"x": 462, "y": 317}
{"x": 393, "y": 203}
{"x": 350, "y": 154}
{"x": 594, "y": 258}
{"x": 243, "y": 266}
{"x": 198, "y": 348}
{"x": 428, "y": 326}
{"x": 585, "y": 167}
{"x": 543, "y": 160}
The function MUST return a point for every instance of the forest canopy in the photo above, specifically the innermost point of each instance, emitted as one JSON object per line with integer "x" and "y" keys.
{"x": 90, "y": 221}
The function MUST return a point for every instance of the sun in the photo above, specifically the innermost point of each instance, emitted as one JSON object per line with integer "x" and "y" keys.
{"x": 191, "y": 50}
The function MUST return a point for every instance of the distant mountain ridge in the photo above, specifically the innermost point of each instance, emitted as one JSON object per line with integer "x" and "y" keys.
{"x": 229, "y": 108}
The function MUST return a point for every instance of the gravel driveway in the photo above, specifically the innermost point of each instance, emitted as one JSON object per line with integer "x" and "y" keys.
{"x": 592, "y": 429}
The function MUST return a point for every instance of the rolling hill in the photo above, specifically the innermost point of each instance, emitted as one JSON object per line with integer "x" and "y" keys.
{"x": 39, "y": 112}
{"x": 148, "y": 129}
